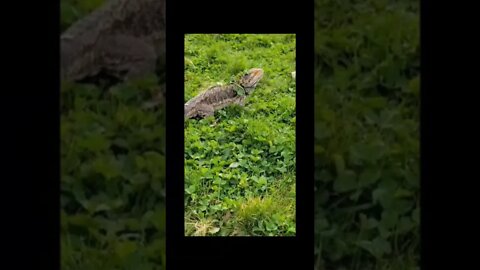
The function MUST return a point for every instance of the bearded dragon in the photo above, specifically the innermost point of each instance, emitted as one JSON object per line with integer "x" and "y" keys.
{"x": 217, "y": 97}
{"x": 122, "y": 39}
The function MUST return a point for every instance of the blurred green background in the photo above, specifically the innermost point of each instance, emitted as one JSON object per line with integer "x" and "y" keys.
{"x": 367, "y": 134}
{"x": 112, "y": 172}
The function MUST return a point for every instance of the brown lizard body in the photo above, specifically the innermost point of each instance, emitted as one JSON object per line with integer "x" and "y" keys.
{"x": 218, "y": 97}
{"x": 123, "y": 38}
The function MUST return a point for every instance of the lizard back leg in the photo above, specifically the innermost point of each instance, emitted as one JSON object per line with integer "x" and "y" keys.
{"x": 126, "y": 57}
{"x": 204, "y": 110}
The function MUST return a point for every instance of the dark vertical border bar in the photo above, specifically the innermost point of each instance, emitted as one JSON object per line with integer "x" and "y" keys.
{"x": 305, "y": 133}
{"x": 34, "y": 97}
{"x": 174, "y": 133}
{"x": 439, "y": 176}
{"x": 263, "y": 17}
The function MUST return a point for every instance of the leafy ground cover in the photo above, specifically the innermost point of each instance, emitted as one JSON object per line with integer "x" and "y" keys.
{"x": 367, "y": 134}
{"x": 112, "y": 173}
{"x": 240, "y": 163}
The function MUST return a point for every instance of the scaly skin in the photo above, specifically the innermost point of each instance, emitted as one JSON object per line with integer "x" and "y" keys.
{"x": 123, "y": 38}
{"x": 218, "y": 97}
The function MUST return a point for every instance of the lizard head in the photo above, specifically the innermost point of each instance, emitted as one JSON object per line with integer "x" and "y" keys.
{"x": 250, "y": 80}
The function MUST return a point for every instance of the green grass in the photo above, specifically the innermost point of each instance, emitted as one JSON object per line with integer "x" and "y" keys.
{"x": 240, "y": 163}
{"x": 367, "y": 134}
{"x": 112, "y": 179}
{"x": 112, "y": 173}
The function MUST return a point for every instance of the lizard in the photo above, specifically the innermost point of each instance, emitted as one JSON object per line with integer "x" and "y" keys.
{"x": 217, "y": 97}
{"x": 122, "y": 39}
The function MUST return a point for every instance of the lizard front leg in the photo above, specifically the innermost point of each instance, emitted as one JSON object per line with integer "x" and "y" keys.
{"x": 241, "y": 101}
{"x": 126, "y": 57}
{"x": 158, "y": 99}
{"x": 204, "y": 110}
